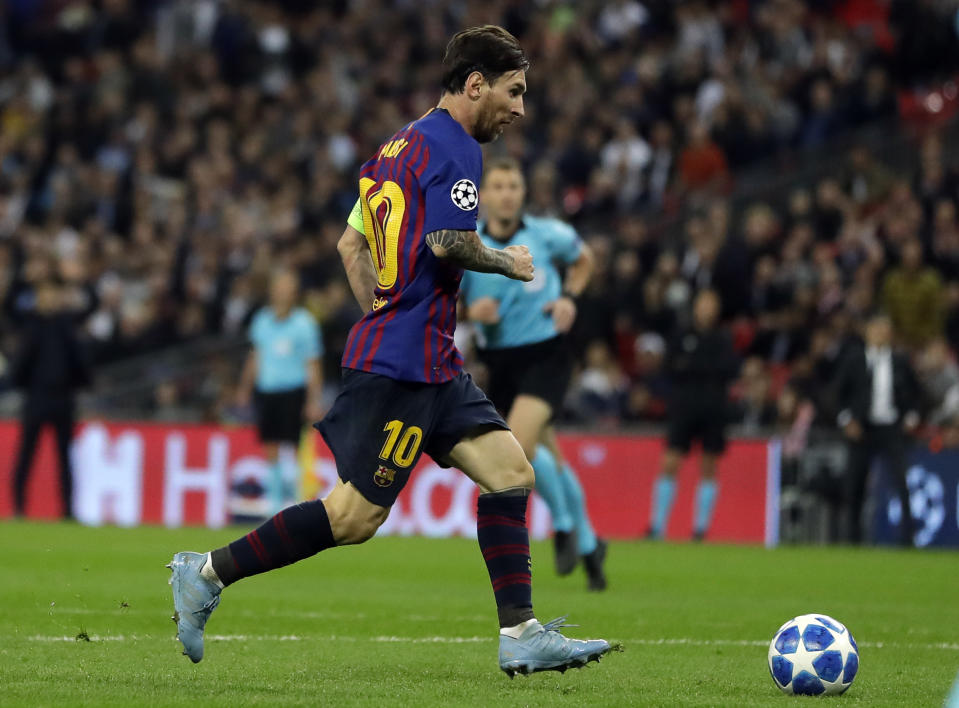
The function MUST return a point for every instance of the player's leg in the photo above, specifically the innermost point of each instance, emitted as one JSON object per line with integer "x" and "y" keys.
{"x": 63, "y": 424}
{"x": 541, "y": 373}
{"x": 270, "y": 417}
{"x": 345, "y": 517}
{"x": 528, "y": 417}
{"x": 473, "y": 437}
{"x": 952, "y": 700}
{"x": 592, "y": 549}
{"x": 495, "y": 461}
{"x": 707, "y": 490}
{"x": 664, "y": 491}
{"x": 364, "y": 430}
{"x": 30, "y": 426}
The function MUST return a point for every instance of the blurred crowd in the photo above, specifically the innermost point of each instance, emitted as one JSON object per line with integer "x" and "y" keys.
{"x": 158, "y": 158}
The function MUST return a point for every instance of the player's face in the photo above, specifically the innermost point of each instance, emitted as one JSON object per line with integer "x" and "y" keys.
{"x": 502, "y": 103}
{"x": 502, "y": 194}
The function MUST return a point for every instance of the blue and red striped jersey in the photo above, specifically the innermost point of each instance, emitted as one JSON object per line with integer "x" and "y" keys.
{"x": 425, "y": 178}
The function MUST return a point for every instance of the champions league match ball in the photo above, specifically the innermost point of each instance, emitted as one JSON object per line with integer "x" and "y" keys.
{"x": 813, "y": 655}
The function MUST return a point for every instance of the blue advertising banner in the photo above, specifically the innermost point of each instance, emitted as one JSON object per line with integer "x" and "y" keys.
{"x": 933, "y": 480}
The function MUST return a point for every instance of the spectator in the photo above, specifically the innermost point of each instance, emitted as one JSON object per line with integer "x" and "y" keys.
{"x": 702, "y": 165}
{"x": 913, "y": 297}
{"x": 939, "y": 377}
{"x": 755, "y": 410}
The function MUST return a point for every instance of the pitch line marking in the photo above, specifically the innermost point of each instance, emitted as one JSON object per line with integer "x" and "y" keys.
{"x": 391, "y": 639}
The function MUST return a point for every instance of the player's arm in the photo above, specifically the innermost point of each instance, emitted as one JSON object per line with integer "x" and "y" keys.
{"x": 358, "y": 262}
{"x": 467, "y": 250}
{"x": 578, "y": 273}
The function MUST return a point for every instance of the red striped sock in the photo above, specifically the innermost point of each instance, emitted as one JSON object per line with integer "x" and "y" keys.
{"x": 504, "y": 541}
{"x": 297, "y": 532}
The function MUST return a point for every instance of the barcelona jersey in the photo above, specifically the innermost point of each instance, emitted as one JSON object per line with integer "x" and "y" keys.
{"x": 424, "y": 179}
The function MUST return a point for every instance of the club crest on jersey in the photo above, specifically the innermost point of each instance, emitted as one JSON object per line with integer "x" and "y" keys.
{"x": 464, "y": 195}
{"x": 384, "y": 476}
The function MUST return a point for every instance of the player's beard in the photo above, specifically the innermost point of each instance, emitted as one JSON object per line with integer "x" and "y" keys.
{"x": 488, "y": 128}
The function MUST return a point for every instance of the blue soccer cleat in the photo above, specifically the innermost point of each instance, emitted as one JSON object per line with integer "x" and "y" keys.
{"x": 542, "y": 648}
{"x": 194, "y": 598}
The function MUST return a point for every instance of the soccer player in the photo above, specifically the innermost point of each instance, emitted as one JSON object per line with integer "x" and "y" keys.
{"x": 285, "y": 368}
{"x": 522, "y": 342}
{"x": 701, "y": 363}
{"x": 404, "y": 391}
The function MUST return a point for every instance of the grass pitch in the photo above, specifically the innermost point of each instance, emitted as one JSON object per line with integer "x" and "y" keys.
{"x": 85, "y": 620}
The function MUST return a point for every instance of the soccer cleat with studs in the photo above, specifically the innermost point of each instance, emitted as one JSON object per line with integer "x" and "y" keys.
{"x": 194, "y": 598}
{"x": 541, "y": 647}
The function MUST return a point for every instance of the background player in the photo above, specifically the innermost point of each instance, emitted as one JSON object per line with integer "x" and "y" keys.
{"x": 404, "y": 391}
{"x": 701, "y": 362}
{"x": 285, "y": 368}
{"x": 522, "y": 342}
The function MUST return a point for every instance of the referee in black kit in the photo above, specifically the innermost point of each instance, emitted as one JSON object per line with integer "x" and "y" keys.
{"x": 700, "y": 363}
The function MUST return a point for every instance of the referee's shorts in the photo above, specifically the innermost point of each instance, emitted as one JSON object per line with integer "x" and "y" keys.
{"x": 541, "y": 370}
{"x": 279, "y": 415}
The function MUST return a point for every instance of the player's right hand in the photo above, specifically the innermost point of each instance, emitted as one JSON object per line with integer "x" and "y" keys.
{"x": 522, "y": 263}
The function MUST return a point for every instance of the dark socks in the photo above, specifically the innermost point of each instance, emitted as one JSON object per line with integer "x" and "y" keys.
{"x": 504, "y": 540}
{"x": 297, "y": 532}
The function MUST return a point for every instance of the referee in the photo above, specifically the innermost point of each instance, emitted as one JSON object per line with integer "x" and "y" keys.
{"x": 701, "y": 363}
{"x": 283, "y": 375}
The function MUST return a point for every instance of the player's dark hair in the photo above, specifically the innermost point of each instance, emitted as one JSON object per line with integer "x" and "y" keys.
{"x": 488, "y": 49}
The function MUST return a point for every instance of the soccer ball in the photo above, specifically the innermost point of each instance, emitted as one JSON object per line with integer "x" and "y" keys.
{"x": 813, "y": 655}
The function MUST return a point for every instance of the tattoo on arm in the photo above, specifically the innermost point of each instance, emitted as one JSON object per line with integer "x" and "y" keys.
{"x": 465, "y": 249}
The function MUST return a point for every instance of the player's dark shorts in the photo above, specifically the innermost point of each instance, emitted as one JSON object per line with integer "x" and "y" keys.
{"x": 542, "y": 370}
{"x": 378, "y": 427}
{"x": 279, "y": 416}
{"x": 690, "y": 420}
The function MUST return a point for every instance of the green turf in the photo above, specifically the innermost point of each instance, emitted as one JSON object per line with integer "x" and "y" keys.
{"x": 352, "y": 610}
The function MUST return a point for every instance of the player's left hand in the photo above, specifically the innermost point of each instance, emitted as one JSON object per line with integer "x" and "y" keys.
{"x": 563, "y": 310}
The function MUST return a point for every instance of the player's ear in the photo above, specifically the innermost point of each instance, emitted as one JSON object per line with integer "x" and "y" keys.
{"x": 474, "y": 85}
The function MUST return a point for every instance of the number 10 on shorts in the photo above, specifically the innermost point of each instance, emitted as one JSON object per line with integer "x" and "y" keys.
{"x": 402, "y": 443}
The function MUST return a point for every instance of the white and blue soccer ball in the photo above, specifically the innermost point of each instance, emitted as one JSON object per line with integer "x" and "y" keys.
{"x": 813, "y": 655}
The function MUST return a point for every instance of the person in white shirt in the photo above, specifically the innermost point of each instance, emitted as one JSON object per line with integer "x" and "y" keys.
{"x": 878, "y": 396}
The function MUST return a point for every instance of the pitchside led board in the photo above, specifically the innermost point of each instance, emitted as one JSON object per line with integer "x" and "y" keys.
{"x": 933, "y": 480}
{"x": 129, "y": 474}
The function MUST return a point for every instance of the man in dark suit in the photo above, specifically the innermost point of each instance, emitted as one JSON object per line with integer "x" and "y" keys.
{"x": 879, "y": 399}
{"x": 49, "y": 367}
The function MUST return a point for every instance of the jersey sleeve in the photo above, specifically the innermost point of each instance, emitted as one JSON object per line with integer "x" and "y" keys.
{"x": 564, "y": 243}
{"x": 450, "y": 190}
{"x": 355, "y": 218}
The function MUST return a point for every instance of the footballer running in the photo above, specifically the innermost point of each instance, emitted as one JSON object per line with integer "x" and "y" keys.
{"x": 403, "y": 390}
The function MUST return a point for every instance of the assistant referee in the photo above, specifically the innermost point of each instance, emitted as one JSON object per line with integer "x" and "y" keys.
{"x": 283, "y": 375}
